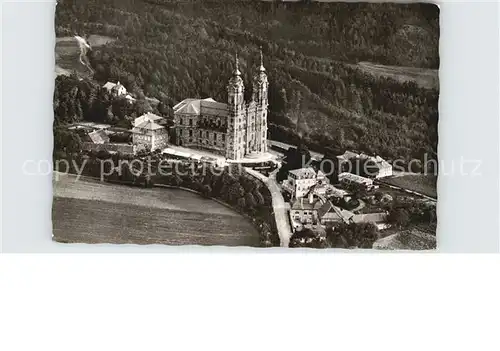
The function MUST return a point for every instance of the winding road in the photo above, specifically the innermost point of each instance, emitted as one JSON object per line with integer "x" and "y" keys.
{"x": 279, "y": 205}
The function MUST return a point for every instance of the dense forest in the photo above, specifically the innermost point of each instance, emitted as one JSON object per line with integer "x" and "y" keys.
{"x": 171, "y": 50}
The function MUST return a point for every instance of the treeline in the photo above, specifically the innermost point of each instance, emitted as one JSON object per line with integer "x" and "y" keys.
{"x": 341, "y": 236}
{"x": 404, "y": 214}
{"x": 231, "y": 185}
{"x": 174, "y": 50}
{"x": 393, "y": 34}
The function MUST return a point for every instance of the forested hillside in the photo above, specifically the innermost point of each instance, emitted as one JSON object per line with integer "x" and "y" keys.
{"x": 173, "y": 50}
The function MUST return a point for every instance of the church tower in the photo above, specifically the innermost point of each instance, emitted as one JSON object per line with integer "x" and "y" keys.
{"x": 259, "y": 97}
{"x": 236, "y": 109}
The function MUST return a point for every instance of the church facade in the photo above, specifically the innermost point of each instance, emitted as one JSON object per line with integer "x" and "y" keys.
{"x": 236, "y": 129}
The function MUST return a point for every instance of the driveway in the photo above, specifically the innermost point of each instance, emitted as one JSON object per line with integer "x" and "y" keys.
{"x": 279, "y": 206}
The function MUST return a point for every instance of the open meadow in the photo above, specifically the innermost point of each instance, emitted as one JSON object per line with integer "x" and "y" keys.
{"x": 421, "y": 183}
{"x": 89, "y": 211}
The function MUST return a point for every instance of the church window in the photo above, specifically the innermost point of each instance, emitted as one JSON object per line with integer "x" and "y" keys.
{"x": 190, "y": 122}
{"x": 223, "y": 137}
{"x": 201, "y": 134}
{"x": 207, "y": 134}
{"x": 190, "y": 133}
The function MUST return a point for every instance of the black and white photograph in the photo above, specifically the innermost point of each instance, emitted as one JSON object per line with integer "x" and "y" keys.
{"x": 292, "y": 124}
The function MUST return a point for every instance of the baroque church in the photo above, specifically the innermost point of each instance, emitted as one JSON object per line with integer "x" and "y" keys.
{"x": 236, "y": 129}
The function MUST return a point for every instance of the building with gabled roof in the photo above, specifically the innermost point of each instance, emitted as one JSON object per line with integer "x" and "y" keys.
{"x": 147, "y": 117}
{"x": 329, "y": 214}
{"x": 236, "y": 129}
{"x": 301, "y": 181}
{"x": 350, "y": 178}
{"x": 116, "y": 89}
{"x": 148, "y": 134}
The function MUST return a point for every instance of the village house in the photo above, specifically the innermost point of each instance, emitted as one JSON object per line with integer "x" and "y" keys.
{"x": 303, "y": 212}
{"x": 118, "y": 90}
{"x": 98, "y": 140}
{"x": 300, "y": 181}
{"x": 384, "y": 167}
{"x": 148, "y": 134}
{"x": 328, "y": 214}
{"x": 317, "y": 211}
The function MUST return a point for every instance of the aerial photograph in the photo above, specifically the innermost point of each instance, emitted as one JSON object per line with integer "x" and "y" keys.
{"x": 246, "y": 123}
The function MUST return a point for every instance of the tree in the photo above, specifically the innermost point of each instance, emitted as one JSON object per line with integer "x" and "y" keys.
{"x": 352, "y": 235}
{"x": 399, "y": 217}
{"x": 308, "y": 238}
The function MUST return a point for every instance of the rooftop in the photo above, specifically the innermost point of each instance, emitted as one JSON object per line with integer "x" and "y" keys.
{"x": 109, "y": 85}
{"x": 304, "y": 172}
{"x": 334, "y": 211}
{"x": 147, "y": 122}
{"x": 304, "y": 204}
{"x": 206, "y": 106}
{"x": 354, "y": 178}
{"x": 151, "y": 117}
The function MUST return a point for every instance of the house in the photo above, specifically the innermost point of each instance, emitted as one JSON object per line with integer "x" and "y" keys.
{"x": 348, "y": 179}
{"x": 116, "y": 89}
{"x": 100, "y": 142}
{"x": 313, "y": 211}
{"x": 377, "y": 218}
{"x": 300, "y": 181}
{"x": 148, "y": 134}
{"x": 384, "y": 167}
{"x": 329, "y": 214}
{"x": 304, "y": 211}
{"x": 147, "y": 117}
{"x": 99, "y": 137}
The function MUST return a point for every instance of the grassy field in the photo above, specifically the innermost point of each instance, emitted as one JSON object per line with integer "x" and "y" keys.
{"x": 425, "y": 184}
{"x": 94, "y": 212}
{"x": 426, "y": 78}
{"x": 67, "y": 52}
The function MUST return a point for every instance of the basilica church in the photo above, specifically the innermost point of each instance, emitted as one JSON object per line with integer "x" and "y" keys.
{"x": 236, "y": 129}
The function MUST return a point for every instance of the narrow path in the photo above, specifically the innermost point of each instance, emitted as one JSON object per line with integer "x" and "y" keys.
{"x": 279, "y": 205}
